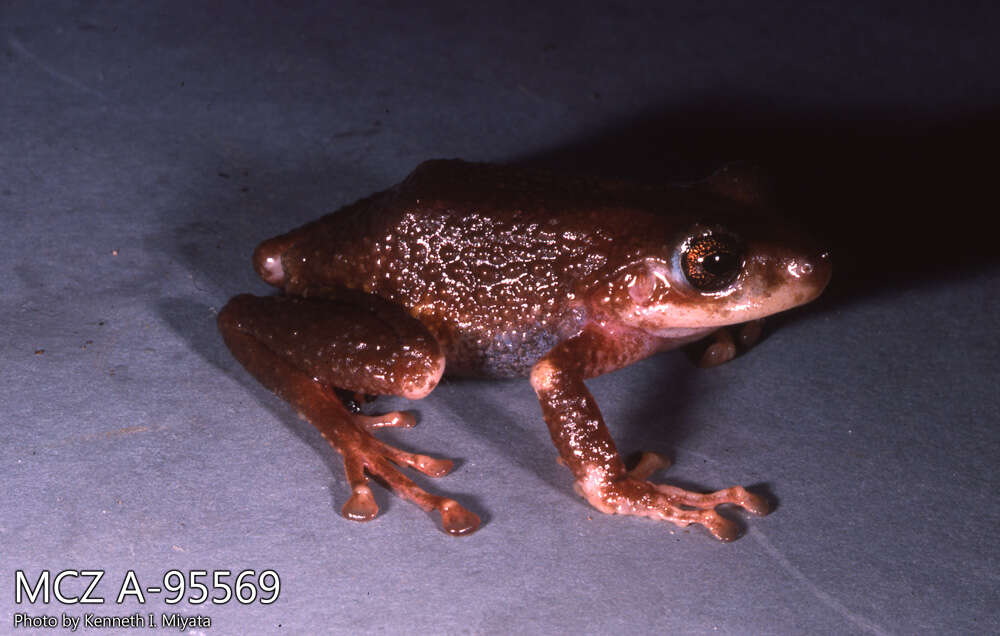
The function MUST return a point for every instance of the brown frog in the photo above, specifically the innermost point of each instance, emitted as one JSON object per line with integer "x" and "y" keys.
{"x": 487, "y": 270}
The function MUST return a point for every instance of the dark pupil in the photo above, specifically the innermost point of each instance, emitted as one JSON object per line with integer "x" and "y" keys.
{"x": 720, "y": 263}
{"x": 712, "y": 263}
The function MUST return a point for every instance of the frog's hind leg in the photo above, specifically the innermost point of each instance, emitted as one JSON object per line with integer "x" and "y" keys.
{"x": 302, "y": 348}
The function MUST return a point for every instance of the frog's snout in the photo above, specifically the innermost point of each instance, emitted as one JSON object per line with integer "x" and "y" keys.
{"x": 811, "y": 271}
{"x": 267, "y": 261}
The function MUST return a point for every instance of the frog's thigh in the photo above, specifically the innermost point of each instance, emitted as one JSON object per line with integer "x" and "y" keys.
{"x": 369, "y": 347}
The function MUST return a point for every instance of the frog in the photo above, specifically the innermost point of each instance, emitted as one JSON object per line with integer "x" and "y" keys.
{"x": 503, "y": 271}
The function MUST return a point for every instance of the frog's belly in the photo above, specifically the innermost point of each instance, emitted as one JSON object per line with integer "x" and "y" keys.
{"x": 671, "y": 338}
{"x": 508, "y": 354}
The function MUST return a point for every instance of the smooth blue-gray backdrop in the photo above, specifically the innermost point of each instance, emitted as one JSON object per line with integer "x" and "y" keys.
{"x": 145, "y": 148}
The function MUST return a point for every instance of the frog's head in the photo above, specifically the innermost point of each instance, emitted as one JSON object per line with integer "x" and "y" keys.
{"x": 711, "y": 275}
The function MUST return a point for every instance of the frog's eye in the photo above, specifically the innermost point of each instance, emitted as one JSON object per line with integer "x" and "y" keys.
{"x": 712, "y": 262}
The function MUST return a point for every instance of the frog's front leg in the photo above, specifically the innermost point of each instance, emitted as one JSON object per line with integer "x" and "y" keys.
{"x": 305, "y": 349}
{"x": 586, "y": 447}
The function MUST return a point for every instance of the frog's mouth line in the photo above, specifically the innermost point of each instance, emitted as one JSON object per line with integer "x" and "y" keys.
{"x": 682, "y": 332}
{"x": 702, "y": 321}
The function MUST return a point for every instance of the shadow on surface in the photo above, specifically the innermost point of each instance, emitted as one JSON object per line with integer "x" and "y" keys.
{"x": 898, "y": 197}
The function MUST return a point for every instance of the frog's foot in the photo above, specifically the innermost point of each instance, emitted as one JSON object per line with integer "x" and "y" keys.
{"x": 365, "y": 453}
{"x": 633, "y": 495}
{"x": 726, "y": 344}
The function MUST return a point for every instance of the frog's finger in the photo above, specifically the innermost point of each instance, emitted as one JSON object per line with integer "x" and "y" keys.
{"x": 649, "y": 463}
{"x": 721, "y": 528}
{"x": 719, "y": 352}
{"x": 737, "y": 495}
{"x": 750, "y": 333}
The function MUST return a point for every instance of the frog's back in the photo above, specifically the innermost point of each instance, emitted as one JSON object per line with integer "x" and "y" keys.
{"x": 492, "y": 259}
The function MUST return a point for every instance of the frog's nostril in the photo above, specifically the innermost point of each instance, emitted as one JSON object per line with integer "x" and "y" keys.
{"x": 814, "y": 268}
{"x": 819, "y": 267}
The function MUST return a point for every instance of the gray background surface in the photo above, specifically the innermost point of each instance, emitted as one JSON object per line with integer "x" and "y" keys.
{"x": 147, "y": 147}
